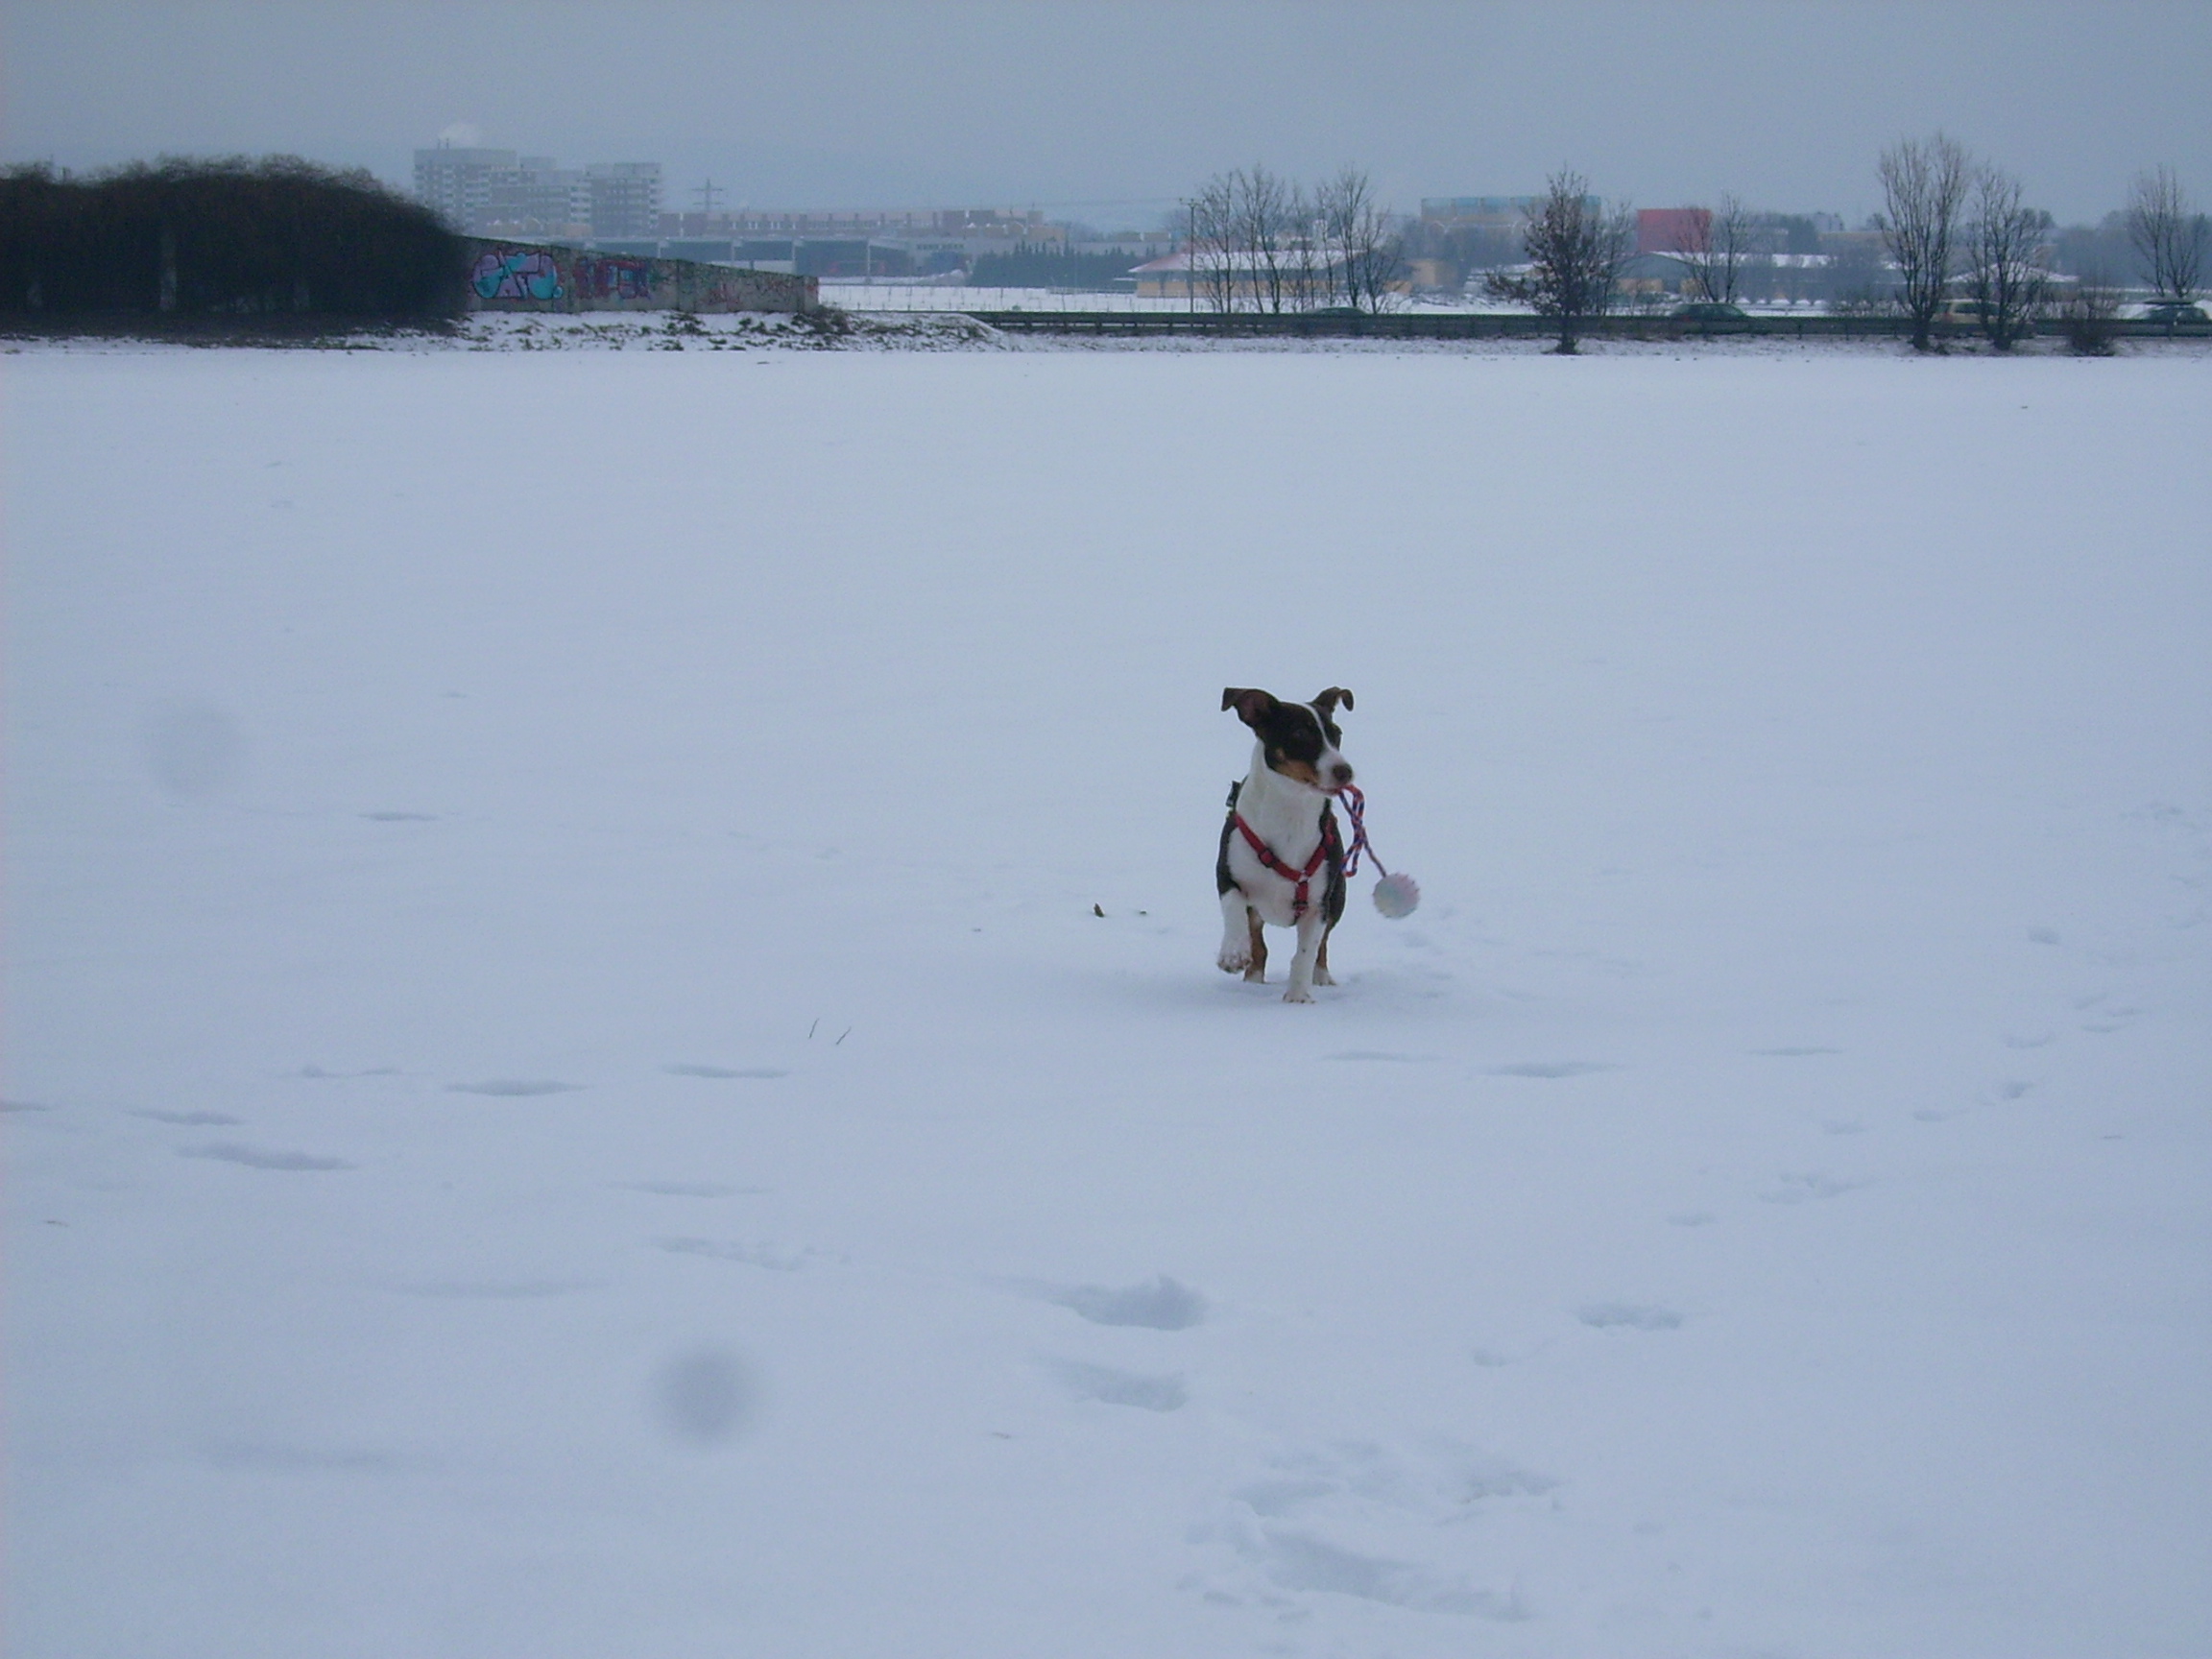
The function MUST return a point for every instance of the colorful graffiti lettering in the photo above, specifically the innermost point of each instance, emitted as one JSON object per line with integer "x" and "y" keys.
{"x": 612, "y": 276}
{"x": 517, "y": 274}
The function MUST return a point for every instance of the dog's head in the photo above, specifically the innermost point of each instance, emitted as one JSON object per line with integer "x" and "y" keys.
{"x": 1299, "y": 739}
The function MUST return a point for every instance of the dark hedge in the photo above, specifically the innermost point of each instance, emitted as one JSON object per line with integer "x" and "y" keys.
{"x": 234, "y": 236}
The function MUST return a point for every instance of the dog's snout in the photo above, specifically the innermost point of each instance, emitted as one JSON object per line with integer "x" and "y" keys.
{"x": 1340, "y": 773}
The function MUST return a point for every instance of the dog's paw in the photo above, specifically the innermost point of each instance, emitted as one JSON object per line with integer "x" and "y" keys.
{"x": 1233, "y": 961}
{"x": 1322, "y": 976}
{"x": 1298, "y": 994}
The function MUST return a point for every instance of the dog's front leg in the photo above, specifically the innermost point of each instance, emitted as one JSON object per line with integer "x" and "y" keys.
{"x": 1311, "y": 930}
{"x": 1236, "y": 933}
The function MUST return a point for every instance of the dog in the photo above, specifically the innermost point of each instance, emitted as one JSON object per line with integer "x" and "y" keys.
{"x": 1281, "y": 859}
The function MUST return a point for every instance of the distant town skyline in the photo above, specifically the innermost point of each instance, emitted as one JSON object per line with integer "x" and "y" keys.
{"x": 1109, "y": 110}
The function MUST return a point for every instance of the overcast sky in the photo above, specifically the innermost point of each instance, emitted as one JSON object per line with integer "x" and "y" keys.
{"x": 1112, "y": 108}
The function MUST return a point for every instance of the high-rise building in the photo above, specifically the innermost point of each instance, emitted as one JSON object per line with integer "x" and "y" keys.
{"x": 625, "y": 198}
{"x": 457, "y": 182}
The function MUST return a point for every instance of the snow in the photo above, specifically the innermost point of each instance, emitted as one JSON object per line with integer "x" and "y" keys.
{"x": 568, "y": 1095}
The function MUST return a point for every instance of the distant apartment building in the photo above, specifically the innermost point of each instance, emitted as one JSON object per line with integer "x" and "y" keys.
{"x": 625, "y": 198}
{"x": 498, "y": 193}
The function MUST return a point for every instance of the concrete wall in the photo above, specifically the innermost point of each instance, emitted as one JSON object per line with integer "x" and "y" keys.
{"x": 532, "y": 276}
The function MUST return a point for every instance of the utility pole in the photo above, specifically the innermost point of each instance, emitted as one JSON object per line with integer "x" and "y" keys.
{"x": 707, "y": 193}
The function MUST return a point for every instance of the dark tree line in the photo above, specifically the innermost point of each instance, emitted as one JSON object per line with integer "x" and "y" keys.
{"x": 234, "y": 236}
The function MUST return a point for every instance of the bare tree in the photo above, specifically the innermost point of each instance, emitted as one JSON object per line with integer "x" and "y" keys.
{"x": 1365, "y": 252}
{"x": 1923, "y": 188}
{"x": 1717, "y": 246}
{"x": 2009, "y": 243}
{"x": 2168, "y": 239}
{"x": 1263, "y": 214}
{"x": 1576, "y": 250}
{"x": 1212, "y": 215}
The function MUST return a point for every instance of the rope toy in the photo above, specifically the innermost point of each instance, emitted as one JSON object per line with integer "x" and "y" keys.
{"x": 1395, "y": 895}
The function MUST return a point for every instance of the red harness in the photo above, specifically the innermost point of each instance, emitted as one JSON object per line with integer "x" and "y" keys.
{"x": 1299, "y": 879}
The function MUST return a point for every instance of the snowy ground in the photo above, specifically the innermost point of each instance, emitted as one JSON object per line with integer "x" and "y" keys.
{"x": 567, "y": 1097}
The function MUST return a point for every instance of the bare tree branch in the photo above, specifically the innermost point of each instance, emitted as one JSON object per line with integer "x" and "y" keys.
{"x": 2168, "y": 239}
{"x": 1923, "y": 187}
{"x": 1576, "y": 251}
{"x": 2009, "y": 242}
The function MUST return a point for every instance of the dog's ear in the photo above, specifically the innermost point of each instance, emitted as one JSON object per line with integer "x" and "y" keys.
{"x": 1328, "y": 700}
{"x": 1252, "y": 706}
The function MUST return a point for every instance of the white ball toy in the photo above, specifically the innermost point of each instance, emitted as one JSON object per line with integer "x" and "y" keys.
{"x": 1396, "y": 896}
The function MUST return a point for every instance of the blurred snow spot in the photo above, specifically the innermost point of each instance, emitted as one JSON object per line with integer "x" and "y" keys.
{"x": 400, "y": 817}
{"x": 260, "y": 1158}
{"x": 512, "y": 1087}
{"x": 1793, "y": 1053}
{"x": 1382, "y": 1055}
{"x": 193, "y": 750}
{"x": 1300, "y": 1561}
{"x": 704, "y": 1396}
{"x": 1629, "y": 1316}
{"x": 260, "y": 1458}
{"x": 190, "y": 1119}
{"x": 1163, "y": 1305}
{"x": 720, "y": 1072}
{"x": 1111, "y": 1387}
{"x": 772, "y": 1257}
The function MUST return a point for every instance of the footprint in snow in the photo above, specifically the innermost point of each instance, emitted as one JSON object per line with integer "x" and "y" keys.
{"x": 1802, "y": 1189}
{"x": 1628, "y": 1317}
{"x": 513, "y": 1087}
{"x": 260, "y": 1157}
{"x": 1159, "y": 1305}
{"x": 2011, "y": 1089}
{"x": 1112, "y": 1387}
{"x": 773, "y": 1257}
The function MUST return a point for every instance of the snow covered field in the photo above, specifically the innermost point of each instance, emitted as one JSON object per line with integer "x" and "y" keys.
{"x": 568, "y": 1095}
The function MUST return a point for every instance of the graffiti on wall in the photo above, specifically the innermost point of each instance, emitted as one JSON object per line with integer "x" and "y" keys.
{"x": 612, "y": 276}
{"x": 517, "y": 274}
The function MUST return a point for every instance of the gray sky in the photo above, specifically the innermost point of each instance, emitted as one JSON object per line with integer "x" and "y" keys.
{"x": 1112, "y": 108}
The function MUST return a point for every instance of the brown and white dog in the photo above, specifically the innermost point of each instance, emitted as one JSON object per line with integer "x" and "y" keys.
{"x": 1281, "y": 862}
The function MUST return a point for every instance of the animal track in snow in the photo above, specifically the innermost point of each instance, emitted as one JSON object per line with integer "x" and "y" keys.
{"x": 719, "y": 1072}
{"x": 773, "y": 1257}
{"x": 1111, "y": 1387}
{"x": 513, "y": 1087}
{"x": 2011, "y": 1089}
{"x": 1551, "y": 1069}
{"x": 1813, "y": 1183}
{"x": 1628, "y": 1317}
{"x": 260, "y": 1158}
{"x": 1286, "y": 1524}
{"x": 1162, "y": 1305}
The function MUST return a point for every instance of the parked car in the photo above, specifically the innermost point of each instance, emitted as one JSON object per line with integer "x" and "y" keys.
{"x": 1711, "y": 311}
{"x": 2172, "y": 311}
{"x": 1976, "y": 313}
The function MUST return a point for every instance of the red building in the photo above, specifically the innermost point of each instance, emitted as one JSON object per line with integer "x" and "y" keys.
{"x": 1673, "y": 230}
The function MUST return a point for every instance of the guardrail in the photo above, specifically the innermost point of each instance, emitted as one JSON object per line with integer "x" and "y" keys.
{"x": 1500, "y": 325}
